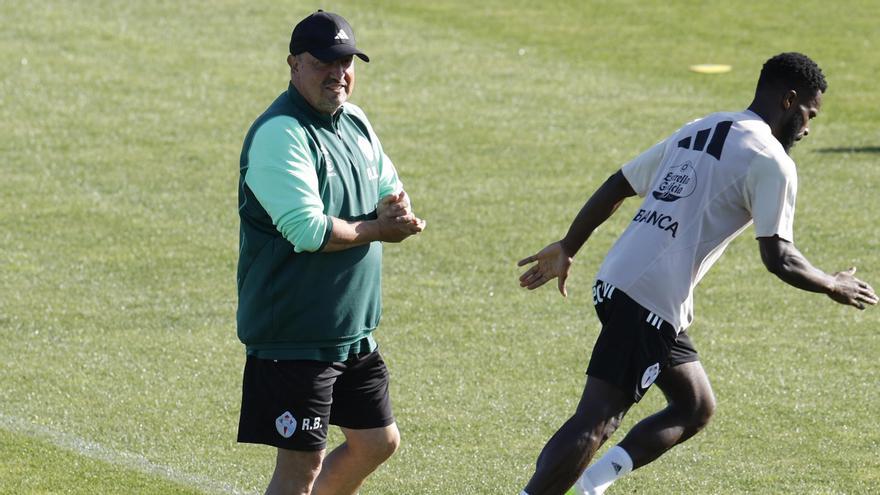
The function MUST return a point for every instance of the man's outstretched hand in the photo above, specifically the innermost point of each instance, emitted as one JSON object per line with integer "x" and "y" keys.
{"x": 851, "y": 291}
{"x": 553, "y": 262}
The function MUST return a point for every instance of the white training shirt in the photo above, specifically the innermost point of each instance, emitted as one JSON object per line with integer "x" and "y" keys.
{"x": 702, "y": 186}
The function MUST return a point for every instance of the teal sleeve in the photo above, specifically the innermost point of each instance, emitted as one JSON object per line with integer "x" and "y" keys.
{"x": 389, "y": 182}
{"x": 281, "y": 174}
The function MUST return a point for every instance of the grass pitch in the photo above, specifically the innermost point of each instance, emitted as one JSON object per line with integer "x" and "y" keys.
{"x": 122, "y": 124}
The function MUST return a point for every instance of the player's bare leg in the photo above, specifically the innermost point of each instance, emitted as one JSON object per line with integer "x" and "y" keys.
{"x": 567, "y": 453}
{"x": 349, "y": 464}
{"x": 690, "y": 405}
{"x": 295, "y": 472}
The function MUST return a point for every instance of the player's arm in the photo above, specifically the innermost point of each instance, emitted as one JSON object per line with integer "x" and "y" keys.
{"x": 554, "y": 261}
{"x": 785, "y": 261}
{"x": 635, "y": 177}
{"x": 771, "y": 189}
{"x": 601, "y": 205}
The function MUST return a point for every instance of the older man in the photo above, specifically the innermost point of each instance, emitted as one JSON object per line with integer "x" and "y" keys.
{"x": 317, "y": 194}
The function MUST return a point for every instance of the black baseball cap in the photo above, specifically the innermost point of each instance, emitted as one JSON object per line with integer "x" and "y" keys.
{"x": 327, "y": 36}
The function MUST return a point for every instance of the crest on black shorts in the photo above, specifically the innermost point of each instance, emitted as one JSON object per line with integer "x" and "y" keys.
{"x": 285, "y": 424}
{"x": 650, "y": 375}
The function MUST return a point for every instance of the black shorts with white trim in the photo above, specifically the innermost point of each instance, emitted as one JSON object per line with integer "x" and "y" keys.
{"x": 634, "y": 345}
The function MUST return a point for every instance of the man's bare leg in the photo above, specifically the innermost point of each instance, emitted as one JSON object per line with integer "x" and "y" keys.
{"x": 690, "y": 405}
{"x": 567, "y": 453}
{"x": 295, "y": 472}
{"x": 349, "y": 464}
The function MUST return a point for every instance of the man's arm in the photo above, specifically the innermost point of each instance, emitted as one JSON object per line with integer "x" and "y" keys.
{"x": 601, "y": 205}
{"x": 555, "y": 259}
{"x": 784, "y": 260}
{"x": 395, "y": 219}
{"x": 394, "y": 223}
{"x": 281, "y": 174}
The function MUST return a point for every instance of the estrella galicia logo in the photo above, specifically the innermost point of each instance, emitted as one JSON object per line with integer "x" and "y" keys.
{"x": 679, "y": 182}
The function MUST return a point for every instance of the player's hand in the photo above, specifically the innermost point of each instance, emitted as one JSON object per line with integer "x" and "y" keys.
{"x": 851, "y": 291}
{"x": 553, "y": 262}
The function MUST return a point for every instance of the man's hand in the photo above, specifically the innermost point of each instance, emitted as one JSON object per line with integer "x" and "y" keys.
{"x": 786, "y": 262}
{"x": 553, "y": 262}
{"x": 394, "y": 222}
{"x": 851, "y": 291}
{"x": 395, "y": 207}
{"x": 395, "y": 218}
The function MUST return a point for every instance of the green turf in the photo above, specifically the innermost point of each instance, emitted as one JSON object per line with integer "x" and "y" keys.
{"x": 121, "y": 126}
{"x": 30, "y": 465}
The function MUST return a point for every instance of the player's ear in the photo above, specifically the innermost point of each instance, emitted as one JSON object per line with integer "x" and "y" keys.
{"x": 789, "y": 99}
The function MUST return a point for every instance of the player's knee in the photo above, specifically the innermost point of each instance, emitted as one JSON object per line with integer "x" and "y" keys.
{"x": 705, "y": 411}
{"x": 596, "y": 432}
{"x": 700, "y": 413}
{"x": 694, "y": 415}
{"x": 608, "y": 428}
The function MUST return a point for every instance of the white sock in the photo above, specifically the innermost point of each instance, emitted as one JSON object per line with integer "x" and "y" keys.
{"x": 615, "y": 464}
{"x": 523, "y": 493}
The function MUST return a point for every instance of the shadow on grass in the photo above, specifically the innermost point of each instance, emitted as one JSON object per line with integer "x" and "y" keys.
{"x": 850, "y": 149}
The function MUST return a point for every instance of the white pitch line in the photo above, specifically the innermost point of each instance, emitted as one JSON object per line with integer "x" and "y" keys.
{"x": 129, "y": 460}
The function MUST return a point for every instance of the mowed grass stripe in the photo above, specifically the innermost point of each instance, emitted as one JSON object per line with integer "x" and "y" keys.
{"x": 73, "y": 465}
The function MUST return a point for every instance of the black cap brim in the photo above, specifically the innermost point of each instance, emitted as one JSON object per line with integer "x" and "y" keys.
{"x": 335, "y": 52}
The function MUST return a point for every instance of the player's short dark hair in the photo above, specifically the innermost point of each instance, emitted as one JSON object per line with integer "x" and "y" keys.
{"x": 794, "y": 71}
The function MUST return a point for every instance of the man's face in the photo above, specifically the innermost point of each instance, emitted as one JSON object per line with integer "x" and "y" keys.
{"x": 797, "y": 126}
{"x": 324, "y": 85}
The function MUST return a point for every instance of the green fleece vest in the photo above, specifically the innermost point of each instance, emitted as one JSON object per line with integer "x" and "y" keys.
{"x": 307, "y": 304}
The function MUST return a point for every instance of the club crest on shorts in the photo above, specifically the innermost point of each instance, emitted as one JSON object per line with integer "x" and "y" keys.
{"x": 650, "y": 375}
{"x": 285, "y": 424}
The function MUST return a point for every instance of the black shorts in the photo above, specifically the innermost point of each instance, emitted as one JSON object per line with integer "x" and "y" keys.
{"x": 635, "y": 345}
{"x": 289, "y": 404}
